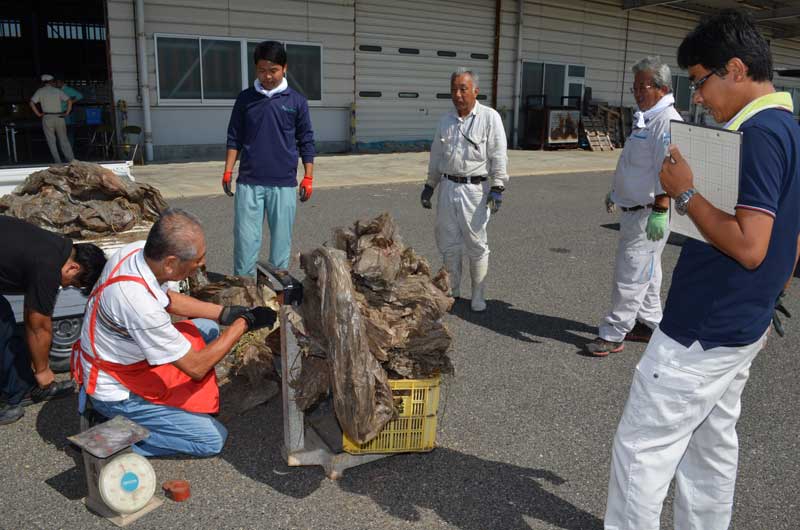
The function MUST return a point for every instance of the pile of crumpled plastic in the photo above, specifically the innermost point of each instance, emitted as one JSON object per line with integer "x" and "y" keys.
{"x": 83, "y": 200}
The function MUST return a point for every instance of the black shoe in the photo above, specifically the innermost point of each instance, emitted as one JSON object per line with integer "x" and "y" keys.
{"x": 57, "y": 390}
{"x": 11, "y": 413}
{"x": 639, "y": 333}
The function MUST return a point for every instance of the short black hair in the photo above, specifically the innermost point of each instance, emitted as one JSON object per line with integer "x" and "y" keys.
{"x": 92, "y": 260}
{"x": 270, "y": 50}
{"x": 719, "y": 38}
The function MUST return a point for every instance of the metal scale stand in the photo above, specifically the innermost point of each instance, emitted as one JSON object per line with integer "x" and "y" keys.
{"x": 303, "y": 444}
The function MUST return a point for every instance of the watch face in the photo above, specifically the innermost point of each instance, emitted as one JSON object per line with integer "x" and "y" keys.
{"x": 127, "y": 483}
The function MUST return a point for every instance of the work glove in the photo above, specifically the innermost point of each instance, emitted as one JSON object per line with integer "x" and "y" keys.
{"x": 495, "y": 199}
{"x": 425, "y": 198}
{"x": 305, "y": 188}
{"x": 657, "y": 225}
{"x": 780, "y": 308}
{"x": 226, "y": 183}
{"x": 259, "y": 317}
{"x": 230, "y": 313}
{"x": 610, "y": 206}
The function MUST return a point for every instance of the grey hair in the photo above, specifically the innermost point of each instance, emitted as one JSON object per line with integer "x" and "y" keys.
{"x": 174, "y": 234}
{"x": 662, "y": 77}
{"x": 461, "y": 70}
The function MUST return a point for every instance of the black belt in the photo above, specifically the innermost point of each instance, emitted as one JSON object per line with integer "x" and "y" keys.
{"x": 464, "y": 180}
{"x": 635, "y": 208}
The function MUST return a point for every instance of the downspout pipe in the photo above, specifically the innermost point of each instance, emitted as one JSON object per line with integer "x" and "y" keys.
{"x": 496, "y": 58}
{"x": 144, "y": 79}
{"x": 518, "y": 75}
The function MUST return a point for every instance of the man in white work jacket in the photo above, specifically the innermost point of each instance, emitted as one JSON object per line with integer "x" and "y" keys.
{"x": 468, "y": 163}
{"x": 644, "y": 218}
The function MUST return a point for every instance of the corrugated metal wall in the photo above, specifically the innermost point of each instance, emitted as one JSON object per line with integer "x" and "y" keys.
{"x": 437, "y": 37}
{"x": 362, "y": 42}
{"x": 325, "y": 22}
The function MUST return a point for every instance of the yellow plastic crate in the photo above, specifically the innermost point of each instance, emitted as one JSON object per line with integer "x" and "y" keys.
{"x": 417, "y": 402}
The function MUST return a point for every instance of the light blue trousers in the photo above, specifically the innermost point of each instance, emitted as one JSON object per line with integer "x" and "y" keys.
{"x": 251, "y": 205}
{"x": 172, "y": 430}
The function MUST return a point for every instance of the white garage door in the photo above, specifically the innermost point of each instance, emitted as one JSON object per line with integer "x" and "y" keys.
{"x": 405, "y": 53}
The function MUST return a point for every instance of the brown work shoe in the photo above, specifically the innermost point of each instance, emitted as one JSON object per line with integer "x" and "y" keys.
{"x": 601, "y": 347}
{"x": 639, "y": 333}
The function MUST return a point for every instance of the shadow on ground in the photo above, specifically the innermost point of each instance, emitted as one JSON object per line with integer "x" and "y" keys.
{"x": 518, "y": 324}
{"x": 55, "y": 421}
{"x": 465, "y": 491}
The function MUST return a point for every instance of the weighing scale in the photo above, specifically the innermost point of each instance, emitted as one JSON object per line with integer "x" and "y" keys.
{"x": 121, "y": 483}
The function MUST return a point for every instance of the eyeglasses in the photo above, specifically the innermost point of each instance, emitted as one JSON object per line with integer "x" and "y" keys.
{"x": 639, "y": 88}
{"x": 694, "y": 85}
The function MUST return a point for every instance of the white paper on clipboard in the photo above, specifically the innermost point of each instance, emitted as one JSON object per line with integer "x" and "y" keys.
{"x": 715, "y": 158}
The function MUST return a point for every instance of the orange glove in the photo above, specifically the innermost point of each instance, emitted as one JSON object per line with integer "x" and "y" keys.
{"x": 226, "y": 183}
{"x": 305, "y": 188}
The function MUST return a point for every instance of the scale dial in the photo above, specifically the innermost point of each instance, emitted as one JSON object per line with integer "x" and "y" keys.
{"x": 127, "y": 483}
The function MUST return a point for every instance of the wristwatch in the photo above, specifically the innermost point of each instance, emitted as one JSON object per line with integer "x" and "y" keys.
{"x": 682, "y": 201}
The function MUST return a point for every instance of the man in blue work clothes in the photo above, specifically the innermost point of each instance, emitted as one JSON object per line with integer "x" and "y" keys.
{"x": 685, "y": 400}
{"x": 269, "y": 125}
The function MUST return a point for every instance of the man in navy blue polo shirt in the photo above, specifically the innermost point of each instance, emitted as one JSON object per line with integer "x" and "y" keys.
{"x": 685, "y": 400}
{"x": 270, "y": 126}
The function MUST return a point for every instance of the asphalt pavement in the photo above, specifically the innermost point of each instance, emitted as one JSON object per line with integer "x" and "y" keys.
{"x": 526, "y": 422}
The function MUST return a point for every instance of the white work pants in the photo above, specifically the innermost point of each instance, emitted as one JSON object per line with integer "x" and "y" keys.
{"x": 636, "y": 291}
{"x": 680, "y": 420}
{"x": 54, "y": 125}
{"x": 461, "y": 219}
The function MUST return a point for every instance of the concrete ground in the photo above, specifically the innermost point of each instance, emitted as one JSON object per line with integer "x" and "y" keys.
{"x": 195, "y": 179}
{"x": 525, "y": 424}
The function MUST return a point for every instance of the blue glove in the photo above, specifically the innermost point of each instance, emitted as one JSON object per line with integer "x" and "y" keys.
{"x": 495, "y": 199}
{"x": 425, "y": 198}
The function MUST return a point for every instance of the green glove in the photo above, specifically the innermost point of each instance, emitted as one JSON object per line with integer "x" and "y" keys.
{"x": 657, "y": 225}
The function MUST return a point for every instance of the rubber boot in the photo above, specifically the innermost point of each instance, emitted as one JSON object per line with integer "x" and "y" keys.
{"x": 478, "y": 269}
{"x": 452, "y": 262}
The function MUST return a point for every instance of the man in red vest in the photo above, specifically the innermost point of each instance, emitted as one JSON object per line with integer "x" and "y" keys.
{"x": 133, "y": 361}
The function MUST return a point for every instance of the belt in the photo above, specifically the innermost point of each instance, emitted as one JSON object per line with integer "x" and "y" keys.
{"x": 53, "y": 113}
{"x": 635, "y": 208}
{"x": 464, "y": 180}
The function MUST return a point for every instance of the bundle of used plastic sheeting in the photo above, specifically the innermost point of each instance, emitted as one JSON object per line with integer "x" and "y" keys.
{"x": 83, "y": 200}
{"x": 370, "y": 306}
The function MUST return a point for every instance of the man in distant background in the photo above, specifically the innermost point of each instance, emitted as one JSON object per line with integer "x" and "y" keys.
{"x": 69, "y": 119}
{"x": 46, "y": 104}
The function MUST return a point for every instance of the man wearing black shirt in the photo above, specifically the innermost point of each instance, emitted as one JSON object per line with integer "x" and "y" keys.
{"x": 36, "y": 263}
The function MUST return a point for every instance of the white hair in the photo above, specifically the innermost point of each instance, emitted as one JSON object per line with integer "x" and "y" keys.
{"x": 461, "y": 70}
{"x": 662, "y": 77}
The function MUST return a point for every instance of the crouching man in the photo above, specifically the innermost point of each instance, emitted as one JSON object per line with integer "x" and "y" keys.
{"x": 131, "y": 359}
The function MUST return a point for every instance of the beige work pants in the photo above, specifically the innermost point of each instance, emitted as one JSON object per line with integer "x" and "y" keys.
{"x": 54, "y": 125}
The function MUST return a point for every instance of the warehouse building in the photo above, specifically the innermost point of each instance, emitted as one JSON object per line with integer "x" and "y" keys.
{"x": 375, "y": 72}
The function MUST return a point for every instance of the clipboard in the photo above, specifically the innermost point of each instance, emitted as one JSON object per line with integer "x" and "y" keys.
{"x": 714, "y": 155}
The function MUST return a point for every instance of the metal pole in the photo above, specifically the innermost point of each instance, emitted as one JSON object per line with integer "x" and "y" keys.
{"x": 517, "y": 75}
{"x": 144, "y": 79}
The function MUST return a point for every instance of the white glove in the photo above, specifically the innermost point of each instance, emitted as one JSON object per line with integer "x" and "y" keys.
{"x": 610, "y": 206}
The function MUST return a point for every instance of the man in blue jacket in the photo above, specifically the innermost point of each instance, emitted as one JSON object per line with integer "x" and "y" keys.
{"x": 685, "y": 400}
{"x": 269, "y": 125}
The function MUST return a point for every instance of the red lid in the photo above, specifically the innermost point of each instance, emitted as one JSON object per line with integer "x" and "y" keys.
{"x": 177, "y": 490}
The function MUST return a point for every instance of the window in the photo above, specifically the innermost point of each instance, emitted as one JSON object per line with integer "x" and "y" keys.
{"x": 483, "y": 56}
{"x": 369, "y": 94}
{"x": 410, "y": 51}
{"x": 408, "y": 94}
{"x": 75, "y": 31}
{"x": 10, "y": 29}
{"x": 481, "y": 97}
{"x": 222, "y": 69}
{"x": 305, "y": 69}
{"x": 680, "y": 90}
{"x": 443, "y": 95}
{"x": 369, "y": 48}
{"x": 445, "y": 53}
{"x": 215, "y": 69}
